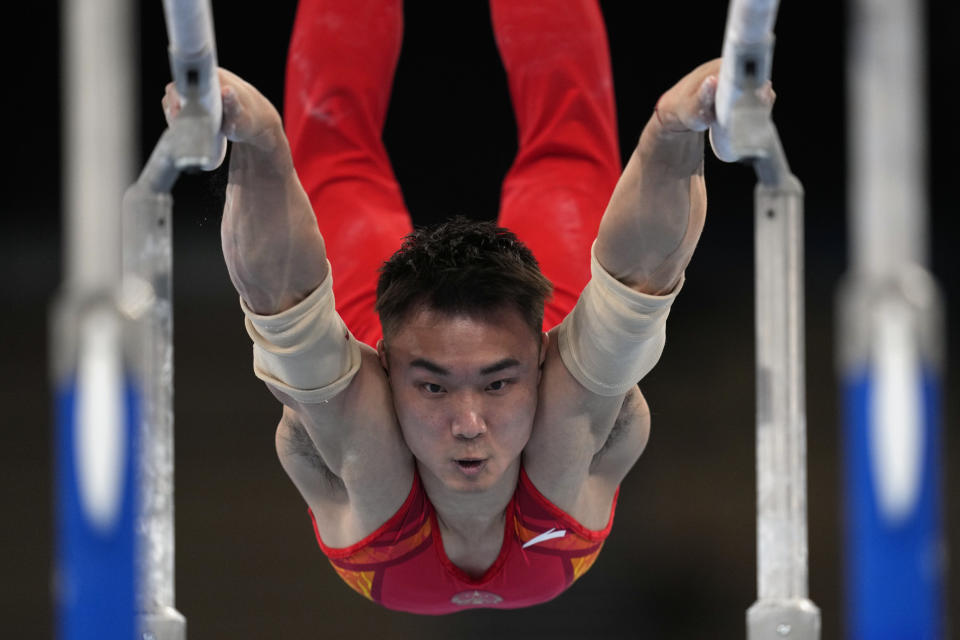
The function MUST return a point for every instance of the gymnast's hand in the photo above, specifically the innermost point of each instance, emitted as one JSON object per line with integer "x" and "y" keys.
{"x": 248, "y": 117}
{"x": 689, "y": 106}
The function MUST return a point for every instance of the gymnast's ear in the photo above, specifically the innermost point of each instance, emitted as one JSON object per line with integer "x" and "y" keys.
{"x": 382, "y": 354}
{"x": 544, "y": 345}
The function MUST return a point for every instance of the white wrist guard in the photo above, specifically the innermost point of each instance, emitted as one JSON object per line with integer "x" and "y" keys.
{"x": 614, "y": 335}
{"x": 306, "y": 351}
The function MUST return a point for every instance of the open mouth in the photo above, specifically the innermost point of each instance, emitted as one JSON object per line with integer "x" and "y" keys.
{"x": 470, "y": 466}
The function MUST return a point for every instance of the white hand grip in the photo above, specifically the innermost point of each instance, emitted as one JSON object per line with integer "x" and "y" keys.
{"x": 747, "y": 58}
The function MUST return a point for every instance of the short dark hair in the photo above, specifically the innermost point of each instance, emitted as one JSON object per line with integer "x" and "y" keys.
{"x": 461, "y": 266}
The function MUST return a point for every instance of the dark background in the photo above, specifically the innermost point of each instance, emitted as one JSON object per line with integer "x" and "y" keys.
{"x": 681, "y": 560}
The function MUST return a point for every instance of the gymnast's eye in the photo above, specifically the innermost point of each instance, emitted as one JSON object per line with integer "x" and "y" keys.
{"x": 431, "y": 388}
{"x": 498, "y": 385}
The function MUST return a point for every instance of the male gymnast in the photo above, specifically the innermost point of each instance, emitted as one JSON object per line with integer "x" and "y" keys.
{"x": 458, "y": 428}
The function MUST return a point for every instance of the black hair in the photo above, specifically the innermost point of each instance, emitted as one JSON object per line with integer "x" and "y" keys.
{"x": 461, "y": 267}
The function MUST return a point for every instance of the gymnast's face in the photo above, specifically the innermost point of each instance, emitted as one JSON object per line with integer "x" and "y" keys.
{"x": 465, "y": 392}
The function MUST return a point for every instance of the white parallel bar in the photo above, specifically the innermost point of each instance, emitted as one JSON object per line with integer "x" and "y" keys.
{"x": 98, "y": 129}
{"x": 751, "y": 20}
{"x": 189, "y": 25}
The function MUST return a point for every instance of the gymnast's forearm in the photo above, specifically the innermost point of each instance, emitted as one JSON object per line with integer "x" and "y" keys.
{"x": 654, "y": 218}
{"x": 276, "y": 259}
{"x": 616, "y": 332}
{"x": 273, "y": 249}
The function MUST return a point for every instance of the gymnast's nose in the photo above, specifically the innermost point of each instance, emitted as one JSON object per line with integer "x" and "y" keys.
{"x": 467, "y": 422}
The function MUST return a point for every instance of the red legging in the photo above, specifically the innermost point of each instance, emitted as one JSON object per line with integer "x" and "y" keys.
{"x": 340, "y": 69}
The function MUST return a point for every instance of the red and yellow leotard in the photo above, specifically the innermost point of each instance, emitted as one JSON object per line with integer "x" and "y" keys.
{"x": 403, "y": 566}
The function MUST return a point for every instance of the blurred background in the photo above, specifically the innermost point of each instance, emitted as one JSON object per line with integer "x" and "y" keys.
{"x": 680, "y": 562}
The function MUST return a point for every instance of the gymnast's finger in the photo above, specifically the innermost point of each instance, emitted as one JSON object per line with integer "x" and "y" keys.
{"x": 171, "y": 103}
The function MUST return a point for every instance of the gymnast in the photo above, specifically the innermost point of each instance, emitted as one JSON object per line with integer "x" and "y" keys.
{"x": 459, "y": 413}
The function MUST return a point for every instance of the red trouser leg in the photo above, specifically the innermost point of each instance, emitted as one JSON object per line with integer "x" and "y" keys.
{"x": 558, "y": 68}
{"x": 339, "y": 75}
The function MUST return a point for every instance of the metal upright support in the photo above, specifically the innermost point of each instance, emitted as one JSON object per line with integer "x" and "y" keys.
{"x": 782, "y": 609}
{"x": 96, "y": 371}
{"x": 745, "y": 132}
{"x": 890, "y": 334}
{"x": 193, "y": 141}
{"x": 148, "y": 262}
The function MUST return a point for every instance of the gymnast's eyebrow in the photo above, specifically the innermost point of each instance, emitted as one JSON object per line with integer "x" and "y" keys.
{"x": 506, "y": 363}
{"x": 432, "y": 367}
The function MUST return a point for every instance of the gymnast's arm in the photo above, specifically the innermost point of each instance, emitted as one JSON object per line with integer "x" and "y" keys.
{"x": 338, "y": 413}
{"x": 647, "y": 235}
{"x": 592, "y": 422}
{"x": 616, "y": 332}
